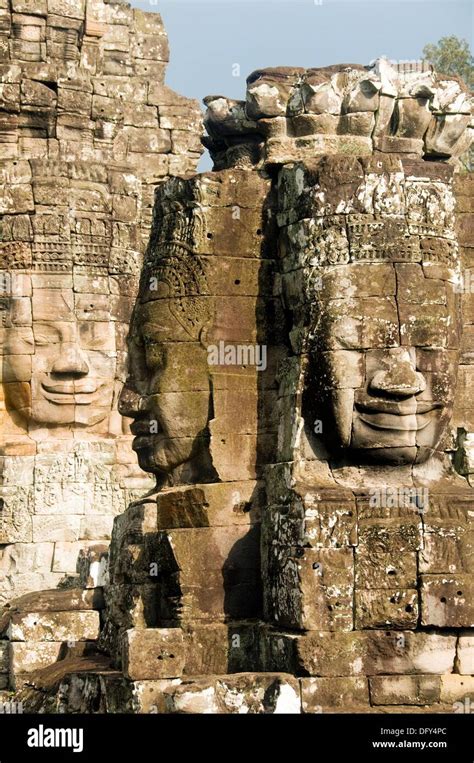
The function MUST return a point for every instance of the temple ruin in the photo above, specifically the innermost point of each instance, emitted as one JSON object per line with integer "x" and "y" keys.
{"x": 292, "y": 531}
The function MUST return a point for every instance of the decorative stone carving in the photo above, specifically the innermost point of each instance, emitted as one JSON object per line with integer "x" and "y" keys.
{"x": 309, "y": 528}
{"x": 381, "y": 367}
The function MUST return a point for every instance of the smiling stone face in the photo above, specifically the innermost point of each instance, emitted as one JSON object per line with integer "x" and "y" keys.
{"x": 382, "y": 371}
{"x": 61, "y": 369}
{"x": 376, "y": 312}
{"x": 71, "y": 271}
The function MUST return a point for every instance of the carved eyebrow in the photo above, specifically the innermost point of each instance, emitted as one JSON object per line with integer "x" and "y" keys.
{"x": 149, "y": 329}
{"x": 42, "y": 329}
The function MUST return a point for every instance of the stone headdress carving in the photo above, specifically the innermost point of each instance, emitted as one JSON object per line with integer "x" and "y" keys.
{"x": 171, "y": 259}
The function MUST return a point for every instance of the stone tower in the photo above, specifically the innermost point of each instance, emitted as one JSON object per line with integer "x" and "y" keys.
{"x": 296, "y": 381}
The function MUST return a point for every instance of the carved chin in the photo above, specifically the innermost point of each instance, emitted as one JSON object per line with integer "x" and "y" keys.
{"x": 161, "y": 455}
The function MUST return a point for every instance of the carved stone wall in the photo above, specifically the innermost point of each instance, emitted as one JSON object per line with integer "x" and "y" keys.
{"x": 295, "y": 350}
{"x": 88, "y": 129}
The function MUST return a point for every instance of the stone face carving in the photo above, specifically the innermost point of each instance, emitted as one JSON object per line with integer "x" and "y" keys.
{"x": 373, "y": 292}
{"x": 88, "y": 129}
{"x": 191, "y": 292}
{"x": 167, "y": 352}
{"x": 67, "y": 303}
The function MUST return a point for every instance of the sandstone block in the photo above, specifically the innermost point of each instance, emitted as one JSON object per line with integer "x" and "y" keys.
{"x": 54, "y": 626}
{"x": 65, "y": 556}
{"x": 405, "y": 690}
{"x": 56, "y": 528}
{"x": 465, "y": 653}
{"x": 153, "y": 653}
{"x": 240, "y": 693}
{"x": 375, "y": 653}
{"x": 386, "y": 609}
{"x": 346, "y": 693}
{"x": 447, "y": 601}
{"x": 455, "y": 688}
{"x": 28, "y": 656}
{"x": 71, "y": 599}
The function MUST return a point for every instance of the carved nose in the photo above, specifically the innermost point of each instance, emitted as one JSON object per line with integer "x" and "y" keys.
{"x": 129, "y": 402}
{"x": 70, "y": 361}
{"x": 399, "y": 379}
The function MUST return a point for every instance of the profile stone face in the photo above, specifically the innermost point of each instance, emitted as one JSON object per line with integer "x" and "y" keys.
{"x": 375, "y": 305}
{"x": 167, "y": 393}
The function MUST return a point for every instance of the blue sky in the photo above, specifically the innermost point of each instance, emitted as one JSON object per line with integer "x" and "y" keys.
{"x": 208, "y": 38}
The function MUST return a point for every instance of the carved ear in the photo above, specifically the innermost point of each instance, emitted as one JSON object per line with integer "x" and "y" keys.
{"x": 204, "y": 334}
{"x": 18, "y": 399}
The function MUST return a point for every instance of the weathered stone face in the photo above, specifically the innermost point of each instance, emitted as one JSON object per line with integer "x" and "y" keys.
{"x": 71, "y": 269}
{"x": 404, "y": 400}
{"x": 71, "y": 374}
{"x": 168, "y": 404}
{"x": 371, "y": 279}
{"x": 193, "y": 351}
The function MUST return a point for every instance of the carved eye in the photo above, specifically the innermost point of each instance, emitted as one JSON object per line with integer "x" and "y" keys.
{"x": 155, "y": 354}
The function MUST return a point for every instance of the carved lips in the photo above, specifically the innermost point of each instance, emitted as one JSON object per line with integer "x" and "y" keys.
{"x": 70, "y": 392}
{"x": 407, "y": 416}
{"x": 145, "y": 437}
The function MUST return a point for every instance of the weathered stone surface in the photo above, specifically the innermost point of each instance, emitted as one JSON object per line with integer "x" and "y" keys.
{"x": 27, "y": 656}
{"x": 447, "y": 601}
{"x": 348, "y": 694}
{"x": 336, "y": 100}
{"x": 455, "y": 688}
{"x": 390, "y": 652}
{"x": 54, "y": 626}
{"x": 405, "y": 690}
{"x": 386, "y": 609}
{"x": 153, "y": 653}
{"x": 241, "y": 693}
{"x": 465, "y": 653}
{"x": 58, "y": 601}
{"x": 4, "y": 657}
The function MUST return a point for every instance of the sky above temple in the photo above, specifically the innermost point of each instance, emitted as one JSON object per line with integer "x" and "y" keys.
{"x": 217, "y": 43}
